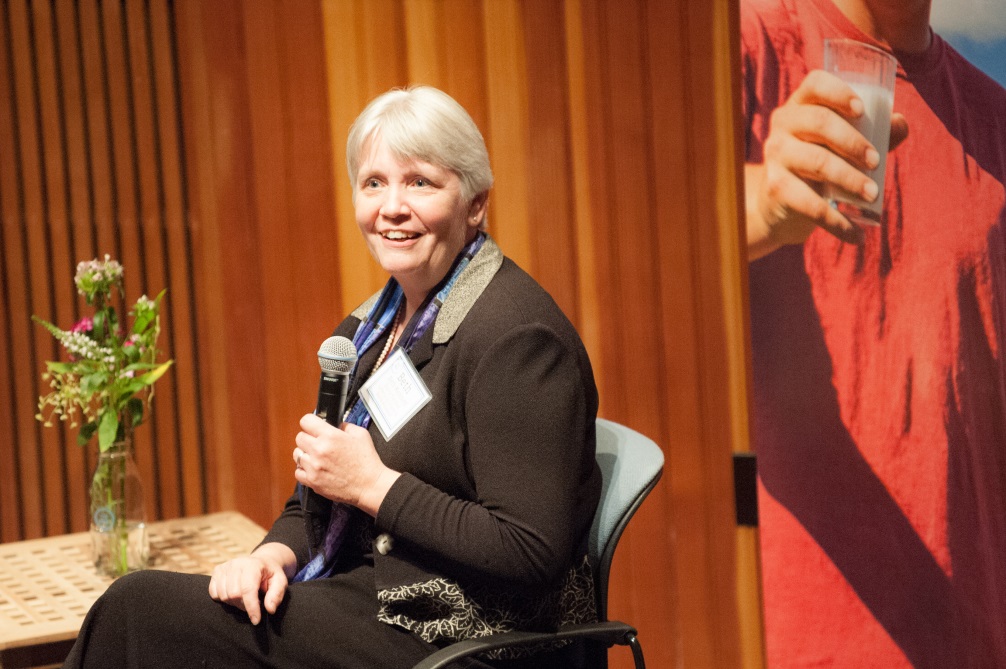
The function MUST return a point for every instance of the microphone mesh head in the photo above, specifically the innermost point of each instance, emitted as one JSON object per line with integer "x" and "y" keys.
{"x": 337, "y": 355}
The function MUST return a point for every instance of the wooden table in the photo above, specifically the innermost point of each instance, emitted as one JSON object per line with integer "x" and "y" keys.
{"x": 48, "y": 585}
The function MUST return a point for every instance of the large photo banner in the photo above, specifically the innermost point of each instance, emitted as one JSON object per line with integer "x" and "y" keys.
{"x": 879, "y": 397}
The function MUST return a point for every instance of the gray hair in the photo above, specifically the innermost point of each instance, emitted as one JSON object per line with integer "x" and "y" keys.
{"x": 424, "y": 123}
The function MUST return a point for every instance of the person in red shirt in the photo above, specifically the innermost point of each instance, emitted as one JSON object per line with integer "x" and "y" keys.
{"x": 879, "y": 397}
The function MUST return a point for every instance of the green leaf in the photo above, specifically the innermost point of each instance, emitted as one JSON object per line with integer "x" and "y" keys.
{"x": 98, "y": 331}
{"x": 107, "y": 430}
{"x": 53, "y": 330}
{"x": 134, "y": 386}
{"x": 59, "y": 367}
{"x": 92, "y": 383}
{"x": 86, "y": 432}
{"x": 149, "y": 378}
{"x": 135, "y": 408}
{"x": 113, "y": 320}
{"x": 142, "y": 321}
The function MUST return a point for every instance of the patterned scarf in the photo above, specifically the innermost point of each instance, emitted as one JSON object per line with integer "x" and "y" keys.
{"x": 370, "y": 330}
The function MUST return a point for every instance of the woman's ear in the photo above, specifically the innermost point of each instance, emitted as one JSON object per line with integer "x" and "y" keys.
{"x": 477, "y": 209}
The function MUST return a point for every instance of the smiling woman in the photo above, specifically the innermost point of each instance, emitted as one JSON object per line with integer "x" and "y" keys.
{"x": 471, "y": 515}
{"x": 413, "y": 218}
{"x": 420, "y": 175}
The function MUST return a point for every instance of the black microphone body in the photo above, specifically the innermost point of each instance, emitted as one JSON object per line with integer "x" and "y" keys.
{"x": 337, "y": 357}
{"x": 332, "y": 391}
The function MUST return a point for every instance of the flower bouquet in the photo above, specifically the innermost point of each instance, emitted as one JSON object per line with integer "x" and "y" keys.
{"x": 105, "y": 388}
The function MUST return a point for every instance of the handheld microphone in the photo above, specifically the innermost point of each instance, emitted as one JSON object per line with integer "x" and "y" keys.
{"x": 337, "y": 357}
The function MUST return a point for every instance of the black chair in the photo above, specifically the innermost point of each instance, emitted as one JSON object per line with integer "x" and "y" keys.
{"x": 631, "y": 465}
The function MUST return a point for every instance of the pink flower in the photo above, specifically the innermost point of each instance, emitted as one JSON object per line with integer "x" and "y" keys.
{"x": 85, "y": 324}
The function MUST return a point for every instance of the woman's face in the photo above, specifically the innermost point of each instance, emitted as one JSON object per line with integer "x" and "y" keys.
{"x": 413, "y": 217}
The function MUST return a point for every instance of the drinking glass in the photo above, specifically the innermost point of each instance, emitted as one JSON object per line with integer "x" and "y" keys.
{"x": 870, "y": 72}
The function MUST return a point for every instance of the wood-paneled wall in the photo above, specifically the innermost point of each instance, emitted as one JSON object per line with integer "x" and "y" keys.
{"x": 202, "y": 143}
{"x": 91, "y": 162}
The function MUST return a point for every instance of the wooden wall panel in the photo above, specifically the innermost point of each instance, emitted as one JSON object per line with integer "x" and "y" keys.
{"x": 91, "y": 165}
{"x": 13, "y": 293}
{"x": 627, "y": 230}
{"x": 202, "y": 143}
{"x": 192, "y": 464}
{"x": 79, "y": 222}
{"x": 261, "y": 186}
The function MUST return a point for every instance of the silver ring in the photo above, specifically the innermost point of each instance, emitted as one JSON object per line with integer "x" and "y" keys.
{"x": 297, "y": 461}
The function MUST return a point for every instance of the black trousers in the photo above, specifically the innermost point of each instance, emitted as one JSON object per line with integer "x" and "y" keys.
{"x": 158, "y": 619}
{"x": 153, "y": 619}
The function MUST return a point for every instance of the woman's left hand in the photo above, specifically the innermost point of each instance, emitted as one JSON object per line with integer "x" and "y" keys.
{"x": 341, "y": 464}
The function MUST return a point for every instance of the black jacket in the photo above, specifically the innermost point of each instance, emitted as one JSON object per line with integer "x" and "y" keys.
{"x": 490, "y": 517}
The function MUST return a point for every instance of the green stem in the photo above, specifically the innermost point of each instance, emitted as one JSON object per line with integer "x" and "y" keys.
{"x": 122, "y": 530}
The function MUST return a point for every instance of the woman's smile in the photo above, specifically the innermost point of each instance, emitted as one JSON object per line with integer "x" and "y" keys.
{"x": 400, "y": 235}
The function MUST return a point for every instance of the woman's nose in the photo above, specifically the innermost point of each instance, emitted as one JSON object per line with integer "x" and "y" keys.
{"x": 395, "y": 204}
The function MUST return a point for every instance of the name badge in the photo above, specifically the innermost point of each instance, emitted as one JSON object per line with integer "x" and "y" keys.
{"x": 394, "y": 394}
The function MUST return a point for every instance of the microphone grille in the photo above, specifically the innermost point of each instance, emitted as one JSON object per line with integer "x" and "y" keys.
{"x": 337, "y": 355}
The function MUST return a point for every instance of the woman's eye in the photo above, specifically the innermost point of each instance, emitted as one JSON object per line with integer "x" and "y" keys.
{"x": 371, "y": 183}
{"x": 421, "y": 182}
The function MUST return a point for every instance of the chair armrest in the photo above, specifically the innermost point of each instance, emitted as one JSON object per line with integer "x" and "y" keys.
{"x": 608, "y": 633}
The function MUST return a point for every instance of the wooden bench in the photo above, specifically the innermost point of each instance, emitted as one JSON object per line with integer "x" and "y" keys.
{"x": 48, "y": 585}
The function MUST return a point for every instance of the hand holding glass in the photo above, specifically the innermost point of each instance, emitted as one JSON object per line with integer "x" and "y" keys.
{"x": 870, "y": 73}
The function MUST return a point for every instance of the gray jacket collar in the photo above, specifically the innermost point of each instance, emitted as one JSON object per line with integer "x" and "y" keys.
{"x": 466, "y": 291}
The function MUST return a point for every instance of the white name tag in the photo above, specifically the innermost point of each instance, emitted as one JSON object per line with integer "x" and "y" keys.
{"x": 394, "y": 394}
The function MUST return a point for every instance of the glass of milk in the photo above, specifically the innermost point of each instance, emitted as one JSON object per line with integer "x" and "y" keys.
{"x": 869, "y": 71}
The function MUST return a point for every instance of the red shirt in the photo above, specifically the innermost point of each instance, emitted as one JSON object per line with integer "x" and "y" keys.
{"x": 879, "y": 381}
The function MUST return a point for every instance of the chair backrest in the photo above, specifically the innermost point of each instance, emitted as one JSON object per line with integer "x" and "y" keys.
{"x": 631, "y": 465}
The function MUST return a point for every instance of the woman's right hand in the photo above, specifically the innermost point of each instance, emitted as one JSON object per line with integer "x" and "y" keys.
{"x": 268, "y": 570}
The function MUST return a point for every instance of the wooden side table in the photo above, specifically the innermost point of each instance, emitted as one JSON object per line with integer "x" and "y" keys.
{"x": 48, "y": 585}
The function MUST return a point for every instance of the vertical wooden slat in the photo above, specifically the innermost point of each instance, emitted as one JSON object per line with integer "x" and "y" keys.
{"x": 79, "y": 213}
{"x": 38, "y": 506}
{"x": 59, "y": 234}
{"x": 727, "y": 67}
{"x": 192, "y": 469}
{"x": 383, "y": 46}
{"x": 315, "y": 288}
{"x": 423, "y": 18}
{"x": 12, "y": 295}
{"x": 606, "y": 357}
{"x": 97, "y": 123}
{"x": 681, "y": 331}
{"x": 71, "y": 77}
{"x": 509, "y": 135}
{"x": 675, "y": 218}
{"x": 201, "y": 192}
{"x": 720, "y": 302}
{"x": 627, "y": 223}
{"x": 162, "y": 447}
{"x": 238, "y": 252}
{"x": 265, "y": 28}
{"x": 384, "y": 63}
{"x": 588, "y": 306}
{"x": 461, "y": 43}
{"x": 346, "y": 95}
{"x": 128, "y": 206}
{"x": 550, "y": 187}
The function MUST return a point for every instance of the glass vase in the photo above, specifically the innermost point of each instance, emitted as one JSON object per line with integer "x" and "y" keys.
{"x": 119, "y": 542}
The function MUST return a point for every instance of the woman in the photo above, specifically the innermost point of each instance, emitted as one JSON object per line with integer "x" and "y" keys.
{"x": 472, "y": 517}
